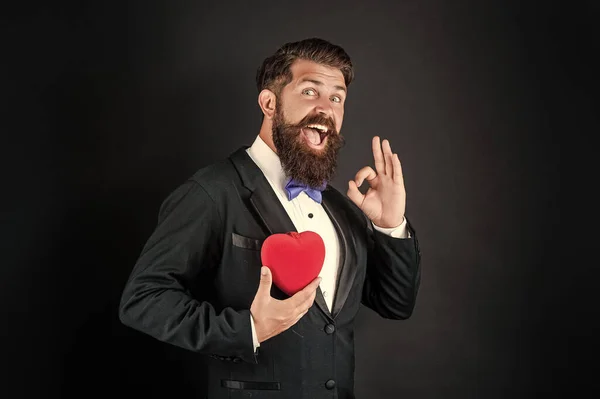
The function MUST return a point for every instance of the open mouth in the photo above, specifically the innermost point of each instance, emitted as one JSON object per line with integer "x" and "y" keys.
{"x": 315, "y": 134}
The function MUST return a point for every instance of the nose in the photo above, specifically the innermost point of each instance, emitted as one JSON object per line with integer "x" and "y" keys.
{"x": 324, "y": 107}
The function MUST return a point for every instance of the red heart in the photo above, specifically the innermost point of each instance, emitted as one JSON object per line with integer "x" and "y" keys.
{"x": 295, "y": 259}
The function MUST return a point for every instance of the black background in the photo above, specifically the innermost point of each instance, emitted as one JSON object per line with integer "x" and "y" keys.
{"x": 490, "y": 105}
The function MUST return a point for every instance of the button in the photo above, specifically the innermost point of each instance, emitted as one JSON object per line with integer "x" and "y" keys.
{"x": 324, "y": 294}
{"x": 237, "y": 360}
{"x": 310, "y": 215}
{"x": 329, "y": 328}
{"x": 330, "y": 384}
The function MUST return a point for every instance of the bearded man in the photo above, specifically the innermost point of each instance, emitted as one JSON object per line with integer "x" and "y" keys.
{"x": 199, "y": 282}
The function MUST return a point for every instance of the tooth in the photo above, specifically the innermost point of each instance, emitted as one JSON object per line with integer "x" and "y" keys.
{"x": 320, "y": 128}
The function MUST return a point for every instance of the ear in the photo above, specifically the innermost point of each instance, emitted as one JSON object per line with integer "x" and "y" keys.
{"x": 267, "y": 100}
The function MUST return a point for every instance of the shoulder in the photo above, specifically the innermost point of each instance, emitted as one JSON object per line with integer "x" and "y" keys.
{"x": 201, "y": 191}
{"x": 205, "y": 181}
{"x": 213, "y": 176}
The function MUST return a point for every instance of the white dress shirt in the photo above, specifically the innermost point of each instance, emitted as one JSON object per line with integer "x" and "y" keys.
{"x": 307, "y": 214}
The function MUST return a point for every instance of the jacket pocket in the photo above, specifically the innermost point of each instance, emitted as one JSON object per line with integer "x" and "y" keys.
{"x": 255, "y": 385}
{"x": 245, "y": 242}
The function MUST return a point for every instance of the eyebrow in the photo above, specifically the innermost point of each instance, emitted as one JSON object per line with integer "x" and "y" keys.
{"x": 319, "y": 83}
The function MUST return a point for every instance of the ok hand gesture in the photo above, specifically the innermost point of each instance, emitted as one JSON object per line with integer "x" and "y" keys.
{"x": 385, "y": 201}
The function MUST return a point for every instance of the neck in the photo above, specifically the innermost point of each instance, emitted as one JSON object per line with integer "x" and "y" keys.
{"x": 266, "y": 133}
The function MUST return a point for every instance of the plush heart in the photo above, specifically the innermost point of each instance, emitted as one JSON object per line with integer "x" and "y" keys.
{"x": 295, "y": 259}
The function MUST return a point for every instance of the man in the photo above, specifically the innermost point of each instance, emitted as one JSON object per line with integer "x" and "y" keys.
{"x": 199, "y": 284}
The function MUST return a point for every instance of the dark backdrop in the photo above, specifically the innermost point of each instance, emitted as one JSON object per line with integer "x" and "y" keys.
{"x": 491, "y": 106}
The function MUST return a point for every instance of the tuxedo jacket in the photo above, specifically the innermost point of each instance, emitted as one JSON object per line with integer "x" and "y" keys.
{"x": 199, "y": 271}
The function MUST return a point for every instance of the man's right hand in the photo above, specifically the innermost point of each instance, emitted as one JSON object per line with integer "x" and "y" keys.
{"x": 272, "y": 316}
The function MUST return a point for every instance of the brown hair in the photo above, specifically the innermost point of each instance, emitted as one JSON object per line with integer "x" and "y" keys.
{"x": 274, "y": 73}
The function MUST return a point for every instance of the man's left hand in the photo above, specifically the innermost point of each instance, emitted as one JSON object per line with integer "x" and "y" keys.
{"x": 384, "y": 202}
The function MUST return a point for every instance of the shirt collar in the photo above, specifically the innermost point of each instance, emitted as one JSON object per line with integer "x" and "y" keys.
{"x": 268, "y": 162}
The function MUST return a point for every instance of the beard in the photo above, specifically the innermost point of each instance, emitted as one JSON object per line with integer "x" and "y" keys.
{"x": 300, "y": 162}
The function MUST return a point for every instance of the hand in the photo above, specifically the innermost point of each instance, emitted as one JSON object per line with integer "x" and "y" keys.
{"x": 385, "y": 201}
{"x": 272, "y": 316}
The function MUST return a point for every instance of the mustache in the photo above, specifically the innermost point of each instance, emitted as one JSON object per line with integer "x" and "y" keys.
{"x": 317, "y": 119}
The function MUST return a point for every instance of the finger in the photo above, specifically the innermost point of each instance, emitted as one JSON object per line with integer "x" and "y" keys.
{"x": 354, "y": 193}
{"x": 301, "y": 315}
{"x": 313, "y": 285}
{"x": 301, "y": 309}
{"x": 365, "y": 173}
{"x": 264, "y": 286}
{"x": 305, "y": 293}
{"x": 398, "y": 175}
{"x": 387, "y": 155}
{"x": 305, "y": 306}
{"x": 378, "y": 155}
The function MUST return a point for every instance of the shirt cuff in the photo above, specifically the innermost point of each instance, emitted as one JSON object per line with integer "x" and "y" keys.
{"x": 254, "y": 338}
{"x": 397, "y": 232}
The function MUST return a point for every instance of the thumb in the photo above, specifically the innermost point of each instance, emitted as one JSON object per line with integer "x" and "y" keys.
{"x": 354, "y": 193}
{"x": 264, "y": 287}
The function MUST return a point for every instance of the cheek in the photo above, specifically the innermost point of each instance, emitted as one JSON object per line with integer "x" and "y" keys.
{"x": 298, "y": 113}
{"x": 339, "y": 119}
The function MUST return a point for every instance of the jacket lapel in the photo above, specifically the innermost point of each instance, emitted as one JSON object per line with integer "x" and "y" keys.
{"x": 348, "y": 255}
{"x": 269, "y": 209}
{"x": 267, "y": 206}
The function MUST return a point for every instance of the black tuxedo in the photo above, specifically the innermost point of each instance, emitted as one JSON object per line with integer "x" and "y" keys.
{"x": 198, "y": 273}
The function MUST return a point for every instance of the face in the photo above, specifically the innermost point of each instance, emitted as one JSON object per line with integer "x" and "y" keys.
{"x": 307, "y": 122}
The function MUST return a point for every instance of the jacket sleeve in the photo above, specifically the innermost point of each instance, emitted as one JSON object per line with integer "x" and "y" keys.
{"x": 157, "y": 299}
{"x": 393, "y": 274}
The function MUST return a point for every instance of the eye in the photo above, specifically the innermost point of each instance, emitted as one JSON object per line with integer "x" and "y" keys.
{"x": 309, "y": 92}
{"x": 336, "y": 99}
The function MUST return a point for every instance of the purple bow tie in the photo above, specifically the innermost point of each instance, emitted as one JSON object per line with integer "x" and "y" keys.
{"x": 293, "y": 189}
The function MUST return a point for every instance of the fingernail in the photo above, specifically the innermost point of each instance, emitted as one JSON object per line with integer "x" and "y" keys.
{"x": 263, "y": 271}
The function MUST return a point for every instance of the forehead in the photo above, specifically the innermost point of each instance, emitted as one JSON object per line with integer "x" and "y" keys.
{"x": 304, "y": 69}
